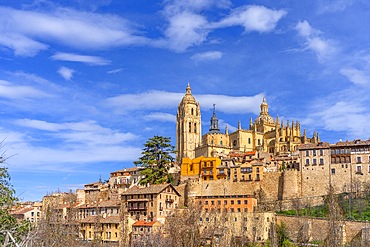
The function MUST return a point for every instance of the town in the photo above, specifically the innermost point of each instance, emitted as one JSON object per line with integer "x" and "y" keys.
{"x": 222, "y": 189}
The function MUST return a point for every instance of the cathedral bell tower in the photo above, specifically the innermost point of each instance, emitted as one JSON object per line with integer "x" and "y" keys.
{"x": 188, "y": 126}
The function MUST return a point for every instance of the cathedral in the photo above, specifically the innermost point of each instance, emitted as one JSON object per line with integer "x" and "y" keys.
{"x": 265, "y": 134}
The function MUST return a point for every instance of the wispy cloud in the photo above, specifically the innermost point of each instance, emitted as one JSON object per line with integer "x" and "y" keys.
{"x": 91, "y": 60}
{"x": 115, "y": 71}
{"x": 11, "y": 91}
{"x": 161, "y": 116}
{"x": 329, "y": 6}
{"x": 155, "y": 100}
{"x": 207, "y": 56}
{"x": 82, "y": 30}
{"x": 323, "y": 48}
{"x": 78, "y": 142}
{"x": 356, "y": 76}
{"x": 252, "y": 18}
{"x": 187, "y": 27}
{"x": 66, "y": 73}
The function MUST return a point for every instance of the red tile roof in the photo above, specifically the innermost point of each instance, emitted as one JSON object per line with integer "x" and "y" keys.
{"x": 144, "y": 223}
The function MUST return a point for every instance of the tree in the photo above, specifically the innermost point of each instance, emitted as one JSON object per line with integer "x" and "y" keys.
{"x": 156, "y": 159}
{"x": 8, "y": 223}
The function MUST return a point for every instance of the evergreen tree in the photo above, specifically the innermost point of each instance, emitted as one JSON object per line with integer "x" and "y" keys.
{"x": 156, "y": 159}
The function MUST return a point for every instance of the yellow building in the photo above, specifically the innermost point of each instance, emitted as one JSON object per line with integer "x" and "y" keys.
{"x": 264, "y": 134}
{"x": 204, "y": 167}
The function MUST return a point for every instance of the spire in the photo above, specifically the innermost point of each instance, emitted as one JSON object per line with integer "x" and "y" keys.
{"x": 250, "y": 123}
{"x": 188, "y": 89}
{"x": 239, "y": 125}
{"x": 264, "y": 107}
{"x": 214, "y": 122}
{"x": 226, "y": 130}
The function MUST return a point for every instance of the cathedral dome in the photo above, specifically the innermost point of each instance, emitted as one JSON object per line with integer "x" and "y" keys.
{"x": 188, "y": 97}
{"x": 264, "y": 117}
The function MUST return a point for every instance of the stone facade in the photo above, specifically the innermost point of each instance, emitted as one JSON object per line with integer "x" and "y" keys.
{"x": 264, "y": 134}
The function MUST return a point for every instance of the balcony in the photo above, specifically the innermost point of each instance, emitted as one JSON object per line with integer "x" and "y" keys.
{"x": 136, "y": 208}
{"x": 169, "y": 201}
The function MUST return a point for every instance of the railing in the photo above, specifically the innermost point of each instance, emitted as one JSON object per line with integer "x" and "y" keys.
{"x": 132, "y": 208}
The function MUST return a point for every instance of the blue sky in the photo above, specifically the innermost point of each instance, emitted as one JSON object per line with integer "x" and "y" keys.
{"x": 83, "y": 85}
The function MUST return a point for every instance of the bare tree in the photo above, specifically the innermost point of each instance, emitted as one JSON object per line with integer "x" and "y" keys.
{"x": 335, "y": 220}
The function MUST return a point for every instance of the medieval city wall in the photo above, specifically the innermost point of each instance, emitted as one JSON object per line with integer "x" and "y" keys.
{"x": 315, "y": 229}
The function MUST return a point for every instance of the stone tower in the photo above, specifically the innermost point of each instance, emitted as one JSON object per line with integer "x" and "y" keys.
{"x": 188, "y": 126}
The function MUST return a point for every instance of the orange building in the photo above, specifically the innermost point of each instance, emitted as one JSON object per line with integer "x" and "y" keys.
{"x": 227, "y": 203}
{"x": 200, "y": 167}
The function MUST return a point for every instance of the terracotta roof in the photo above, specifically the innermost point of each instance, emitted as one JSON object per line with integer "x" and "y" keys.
{"x": 144, "y": 223}
{"x": 101, "y": 219}
{"x": 321, "y": 145}
{"x": 23, "y": 210}
{"x": 152, "y": 189}
{"x": 132, "y": 169}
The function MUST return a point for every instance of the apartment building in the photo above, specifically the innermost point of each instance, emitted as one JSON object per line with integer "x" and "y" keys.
{"x": 150, "y": 203}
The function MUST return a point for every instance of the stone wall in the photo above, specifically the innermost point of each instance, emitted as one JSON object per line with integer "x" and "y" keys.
{"x": 315, "y": 229}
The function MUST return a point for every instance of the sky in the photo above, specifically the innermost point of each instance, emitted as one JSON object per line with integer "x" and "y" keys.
{"x": 84, "y": 84}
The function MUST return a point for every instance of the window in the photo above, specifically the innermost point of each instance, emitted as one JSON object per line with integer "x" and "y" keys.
{"x": 249, "y": 142}
{"x": 314, "y": 162}
{"x": 314, "y": 152}
{"x": 358, "y": 159}
{"x": 359, "y": 169}
{"x": 259, "y": 142}
{"x": 333, "y": 171}
{"x": 239, "y": 202}
{"x": 307, "y": 152}
{"x": 232, "y": 202}
{"x": 307, "y": 162}
{"x": 189, "y": 127}
{"x": 245, "y": 201}
{"x": 321, "y": 152}
{"x": 195, "y": 127}
{"x": 321, "y": 161}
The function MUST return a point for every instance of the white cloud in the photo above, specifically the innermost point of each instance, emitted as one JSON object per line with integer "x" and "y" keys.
{"x": 323, "y": 48}
{"x": 330, "y": 6}
{"x": 115, "y": 71}
{"x": 22, "y": 45}
{"x": 76, "y": 29}
{"x": 344, "y": 111}
{"x": 185, "y": 30}
{"x": 356, "y": 76}
{"x": 253, "y": 18}
{"x": 175, "y": 6}
{"x": 92, "y": 60}
{"x": 66, "y": 73}
{"x": 73, "y": 143}
{"x": 188, "y": 27}
{"x": 161, "y": 116}
{"x": 11, "y": 91}
{"x": 231, "y": 104}
{"x": 156, "y": 100}
{"x": 206, "y": 56}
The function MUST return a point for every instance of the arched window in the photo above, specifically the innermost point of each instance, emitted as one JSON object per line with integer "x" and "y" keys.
{"x": 195, "y": 127}
{"x": 221, "y": 142}
{"x": 235, "y": 143}
{"x": 189, "y": 127}
{"x": 192, "y": 111}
